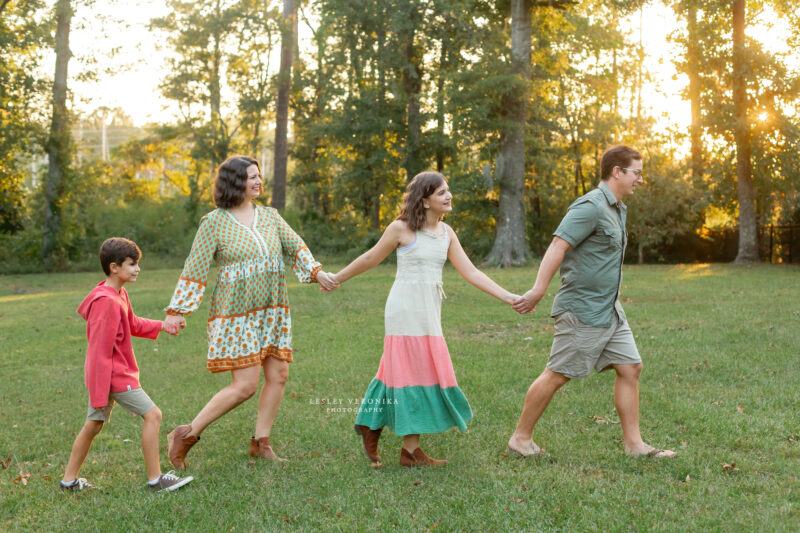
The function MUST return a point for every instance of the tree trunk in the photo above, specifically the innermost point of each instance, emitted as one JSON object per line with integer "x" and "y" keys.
{"x": 412, "y": 85}
{"x": 693, "y": 68}
{"x": 58, "y": 143}
{"x": 440, "y": 106}
{"x": 510, "y": 243}
{"x": 282, "y": 105}
{"x": 748, "y": 230}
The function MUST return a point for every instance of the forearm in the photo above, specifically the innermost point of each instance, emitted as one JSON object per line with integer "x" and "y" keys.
{"x": 483, "y": 282}
{"x": 360, "y": 265}
{"x": 550, "y": 264}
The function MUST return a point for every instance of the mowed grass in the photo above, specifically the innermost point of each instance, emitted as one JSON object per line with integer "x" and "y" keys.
{"x": 721, "y": 386}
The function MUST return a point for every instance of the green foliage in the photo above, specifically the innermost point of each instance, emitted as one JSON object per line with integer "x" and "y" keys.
{"x": 24, "y": 34}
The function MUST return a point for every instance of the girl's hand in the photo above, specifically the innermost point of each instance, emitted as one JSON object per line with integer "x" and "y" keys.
{"x": 327, "y": 281}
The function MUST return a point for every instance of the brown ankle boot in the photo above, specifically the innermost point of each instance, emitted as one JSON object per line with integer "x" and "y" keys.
{"x": 418, "y": 458}
{"x": 369, "y": 438}
{"x": 262, "y": 448}
{"x": 179, "y": 445}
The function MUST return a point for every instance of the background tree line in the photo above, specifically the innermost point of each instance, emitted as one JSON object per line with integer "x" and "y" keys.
{"x": 513, "y": 100}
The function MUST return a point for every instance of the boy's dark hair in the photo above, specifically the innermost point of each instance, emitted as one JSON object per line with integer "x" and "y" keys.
{"x": 231, "y": 182}
{"x": 117, "y": 250}
{"x": 617, "y": 156}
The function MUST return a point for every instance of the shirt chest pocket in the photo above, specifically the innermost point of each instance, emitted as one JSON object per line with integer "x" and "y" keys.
{"x": 609, "y": 237}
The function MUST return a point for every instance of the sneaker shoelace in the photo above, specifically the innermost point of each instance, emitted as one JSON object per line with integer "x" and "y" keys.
{"x": 169, "y": 476}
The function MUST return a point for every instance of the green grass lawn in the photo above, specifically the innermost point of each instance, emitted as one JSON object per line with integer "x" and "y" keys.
{"x": 721, "y": 385}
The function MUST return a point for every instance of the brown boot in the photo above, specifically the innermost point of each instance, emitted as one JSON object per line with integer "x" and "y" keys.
{"x": 370, "y": 437}
{"x": 179, "y": 445}
{"x": 418, "y": 458}
{"x": 262, "y": 448}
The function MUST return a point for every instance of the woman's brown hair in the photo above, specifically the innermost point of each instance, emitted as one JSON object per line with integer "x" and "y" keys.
{"x": 422, "y": 186}
{"x": 231, "y": 181}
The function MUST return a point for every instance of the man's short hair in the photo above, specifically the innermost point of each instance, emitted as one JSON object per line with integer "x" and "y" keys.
{"x": 617, "y": 156}
{"x": 117, "y": 250}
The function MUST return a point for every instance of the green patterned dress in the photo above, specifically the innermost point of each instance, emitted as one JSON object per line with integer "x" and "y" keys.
{"x": 249, "y": 318}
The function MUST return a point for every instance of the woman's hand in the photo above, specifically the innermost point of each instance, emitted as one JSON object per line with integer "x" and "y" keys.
{"x": 327, "y": 281}
{"x": 174, "y": 323}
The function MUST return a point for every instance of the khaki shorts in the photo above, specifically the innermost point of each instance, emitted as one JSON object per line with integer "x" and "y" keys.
{"x": 136, "y": 401}
{"x": 577, "y": 348}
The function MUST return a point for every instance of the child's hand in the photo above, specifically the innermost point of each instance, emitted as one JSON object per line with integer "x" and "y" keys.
{"x": 327, "y": 281}
{"x": 170, "y": 327}
{"x": 173, "y": 324}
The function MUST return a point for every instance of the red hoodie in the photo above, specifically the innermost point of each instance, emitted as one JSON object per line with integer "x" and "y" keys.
{"x": 110, "y": 322}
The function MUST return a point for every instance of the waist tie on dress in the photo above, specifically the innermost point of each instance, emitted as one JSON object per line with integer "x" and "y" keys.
{"x": 440, "y": 287}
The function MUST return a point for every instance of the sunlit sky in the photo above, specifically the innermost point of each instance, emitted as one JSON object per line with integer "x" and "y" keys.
{"x": 129, "y": 78}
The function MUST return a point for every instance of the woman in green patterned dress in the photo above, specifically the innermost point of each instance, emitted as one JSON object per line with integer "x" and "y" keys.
{"x": 249, "y": 325}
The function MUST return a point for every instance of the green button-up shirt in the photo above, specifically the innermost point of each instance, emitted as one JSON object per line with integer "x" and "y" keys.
{"x": 591, "y": 272}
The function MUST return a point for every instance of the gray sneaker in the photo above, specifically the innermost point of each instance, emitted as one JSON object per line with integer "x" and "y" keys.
{"x": 169, "y": 482}
{"x": 76, "y": 485}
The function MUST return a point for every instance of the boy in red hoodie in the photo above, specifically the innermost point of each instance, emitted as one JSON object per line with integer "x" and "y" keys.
{"x": 111, "y": 373}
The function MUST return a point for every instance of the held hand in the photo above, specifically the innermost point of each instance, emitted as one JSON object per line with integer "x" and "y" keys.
{"x": 511, "y": 298}
{"x": 527, "y": 302}
{"x": 327, "y": 281}
{"x": 174, "y": 323}
{"x": 170, "y": 328}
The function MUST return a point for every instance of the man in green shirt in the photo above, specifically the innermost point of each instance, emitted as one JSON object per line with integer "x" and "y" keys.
{"x": 591, "y": 330}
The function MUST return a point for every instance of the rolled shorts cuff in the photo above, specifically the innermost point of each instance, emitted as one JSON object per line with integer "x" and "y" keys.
{"x": 135, "y": 401}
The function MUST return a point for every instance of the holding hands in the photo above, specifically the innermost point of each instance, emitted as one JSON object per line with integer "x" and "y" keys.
{"x": 327, "y": 281}
{"x": 173, "y": 324}
{"x": 527, "y": 302}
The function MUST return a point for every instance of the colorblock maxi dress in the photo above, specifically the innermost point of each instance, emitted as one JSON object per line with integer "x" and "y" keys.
{"x": 415, "y": 389}
{"x": 249, "y": 317}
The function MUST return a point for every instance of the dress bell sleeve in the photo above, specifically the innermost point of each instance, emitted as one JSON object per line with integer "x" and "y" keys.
{"x": 192, "y": 282}
{"x": 295, "y": 250}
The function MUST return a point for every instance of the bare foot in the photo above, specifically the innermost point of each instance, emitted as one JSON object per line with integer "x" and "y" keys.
{"x": 524, "y": 448}
{"x": 647, "y": 450}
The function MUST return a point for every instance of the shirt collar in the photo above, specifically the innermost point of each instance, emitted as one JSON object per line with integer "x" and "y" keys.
{"x": 610, "y": 198}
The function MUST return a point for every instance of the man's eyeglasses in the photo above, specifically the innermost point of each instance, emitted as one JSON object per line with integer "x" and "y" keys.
{"x": 636, "y": 171}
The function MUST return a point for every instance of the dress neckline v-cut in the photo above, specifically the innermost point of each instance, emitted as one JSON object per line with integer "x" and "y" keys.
{"x": 252, "y": 223}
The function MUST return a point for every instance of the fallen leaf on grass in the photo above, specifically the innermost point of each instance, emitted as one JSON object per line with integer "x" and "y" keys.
{"x": 22, "y": 478}
{"x": 7, "y": 462}
{"x": 599, "y": 419}
{"x": 740, "y": 408}
{"x": 716, "y": 403}
{"x": 729, "y": 467}
{"x": 687, "y": 478}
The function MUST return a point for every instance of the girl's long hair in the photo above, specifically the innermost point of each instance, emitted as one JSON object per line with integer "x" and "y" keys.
{"x": 422, "y": 186}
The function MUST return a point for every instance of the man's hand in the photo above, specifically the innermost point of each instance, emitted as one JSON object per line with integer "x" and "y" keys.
{"x": 527, "y": 302}
{"x": 327, "y": 281}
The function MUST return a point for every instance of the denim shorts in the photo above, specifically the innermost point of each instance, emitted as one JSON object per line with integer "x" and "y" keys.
{"x": 577, "y": 348}
{"x": 136, "y": 401}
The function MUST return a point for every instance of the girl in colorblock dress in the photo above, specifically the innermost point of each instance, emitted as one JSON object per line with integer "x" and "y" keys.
{"x": 415, "y": 390}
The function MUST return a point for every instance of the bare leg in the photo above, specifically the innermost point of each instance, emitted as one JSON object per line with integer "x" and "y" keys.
{"x": 80, "y": 448}
{"x": 410, "y": 443}
{"x": 626, "y": 400}
{"x": 537, "y": 399}
{"x": 150, "y": 427}
{"x": 243, "y": 386}
{"x": 276, "y": 372}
